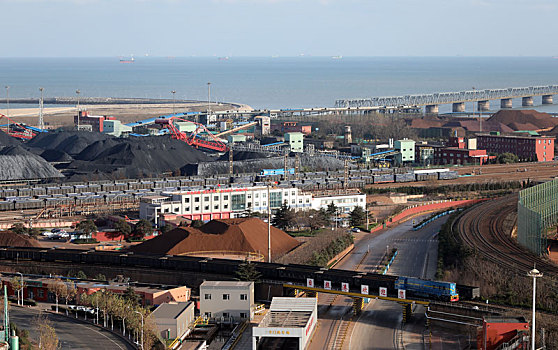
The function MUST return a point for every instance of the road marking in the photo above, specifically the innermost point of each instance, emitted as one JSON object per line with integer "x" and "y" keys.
{"x": 104, "y": 335}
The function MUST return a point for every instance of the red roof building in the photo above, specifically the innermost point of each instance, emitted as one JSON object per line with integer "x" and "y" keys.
{"x": 527, "y": 148}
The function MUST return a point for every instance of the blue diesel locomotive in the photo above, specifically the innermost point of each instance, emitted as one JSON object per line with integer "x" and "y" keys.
{"x": 425, "y": 288}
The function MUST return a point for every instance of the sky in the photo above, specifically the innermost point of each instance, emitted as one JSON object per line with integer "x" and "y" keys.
{"x": 182, "y": 28}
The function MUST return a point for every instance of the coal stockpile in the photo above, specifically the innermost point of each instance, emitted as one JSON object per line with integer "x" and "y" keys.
{"x": 70, "y": 142}
{"x": 134, "y": 157}
{"x": 16, "y": 163}
{"x": 52, "y": 155}
{"x": 312, "y": 163}
{"x": 243, "y": 155}
{"x": 7, "y": 140}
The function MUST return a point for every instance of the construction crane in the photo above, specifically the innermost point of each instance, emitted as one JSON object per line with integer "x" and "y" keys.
{"x": 16, "y": 129}
{"x": 193, "y": 139}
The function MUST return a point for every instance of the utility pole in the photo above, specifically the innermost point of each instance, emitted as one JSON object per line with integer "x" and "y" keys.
{"x": 268, "y": 225}
{"x": 346, "y": 180}
{"x": 286, "y": 166}
{"x": 297, "y": 166}
{"x": 41, "y": 102}
{"x": 231, "y": 161}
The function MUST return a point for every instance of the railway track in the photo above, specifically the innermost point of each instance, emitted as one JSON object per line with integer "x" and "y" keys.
{"x": 481, "y": 228}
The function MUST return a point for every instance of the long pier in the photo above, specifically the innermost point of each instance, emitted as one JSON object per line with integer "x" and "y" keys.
{"x": 457, "y": 99}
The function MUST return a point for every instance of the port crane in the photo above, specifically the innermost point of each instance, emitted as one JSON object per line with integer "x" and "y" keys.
{"x": 193, "y": 139}
{"x": 16, "y": 129}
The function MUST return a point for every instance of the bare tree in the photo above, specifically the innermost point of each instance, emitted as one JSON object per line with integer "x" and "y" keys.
{"x": 58, "y": 288}
{"x": 48, "y": 340}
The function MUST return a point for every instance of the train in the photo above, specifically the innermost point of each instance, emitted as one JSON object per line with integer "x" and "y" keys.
{"x": 290, "y": 273}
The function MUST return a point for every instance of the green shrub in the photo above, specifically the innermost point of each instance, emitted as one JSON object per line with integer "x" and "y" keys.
{"x": 85, "y": 241}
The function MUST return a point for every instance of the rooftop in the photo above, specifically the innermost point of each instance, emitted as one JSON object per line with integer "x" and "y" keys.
{"x": 289, "y": 312}
{"x": 226, "y": 284}
{"x": 171, "y": 310}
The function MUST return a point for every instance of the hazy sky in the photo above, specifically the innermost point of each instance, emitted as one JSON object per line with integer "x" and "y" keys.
{"x": 278, "y": 27}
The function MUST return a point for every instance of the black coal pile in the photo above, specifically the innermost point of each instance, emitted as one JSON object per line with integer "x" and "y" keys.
{"x": 16, "y": 163}
{"x": 243, "y": 155}
{"x": 70, "y": 142}
{"x": 7, "y": 140}
{"x": 134, "y": 157}
{"x": 53, "y": 155}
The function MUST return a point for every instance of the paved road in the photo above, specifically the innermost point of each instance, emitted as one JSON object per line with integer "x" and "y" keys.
{"x": 376, "y": 328}
{"x": 72, "y": 333}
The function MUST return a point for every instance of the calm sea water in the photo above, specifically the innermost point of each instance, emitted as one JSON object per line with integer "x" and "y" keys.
{"x": 273, "y": 82}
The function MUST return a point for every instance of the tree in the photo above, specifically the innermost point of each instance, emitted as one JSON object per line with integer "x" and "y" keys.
{"x": 165, "y": 228}
{"x": 70, "y": 292}
{"x": 142, "y": 228}
{"x": 283, "y": 217}
{"x": 131, "y": 296}
{"x": 18, "y": 284}
{"x": 19, "y": 228}
{"x": 34, "y": 232}
{"x": 247, "y": 272}
{"x": 48, "y": 340}
{"x": 58, "y": 288}
{"x": 123, "y": 227}
{"x": 197, "y": 223}
{"x": 87, "y": 227}
{"x": 358, "y": 216}
{"x": 318, "y": 219}
{"x": 81, "y": 275}
{"x": 100, "y": 277}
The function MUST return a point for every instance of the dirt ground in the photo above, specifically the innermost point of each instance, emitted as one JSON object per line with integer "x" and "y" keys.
{"x": 55, "y": 117}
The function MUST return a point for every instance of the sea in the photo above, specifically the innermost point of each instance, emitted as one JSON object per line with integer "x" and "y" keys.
{"x": 274, "y": 82}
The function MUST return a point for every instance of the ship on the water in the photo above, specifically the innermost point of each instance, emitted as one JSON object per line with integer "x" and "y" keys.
{"x": 127, "y": 60}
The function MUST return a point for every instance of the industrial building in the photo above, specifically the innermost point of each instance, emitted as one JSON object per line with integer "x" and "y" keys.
{"x": 406, "y": 150}
{"x": 526, "y": 147}
{"x": 227, "y": 300}
{"x": 460, "y": 156}
{"x": 115, "y": 128}
{"x": 234, "y": 202}
{"x": 96, "y": 122}
{"x": 173, "y": 319}
{"x": 295, "y": 140}
{"x": 294, "y": 318}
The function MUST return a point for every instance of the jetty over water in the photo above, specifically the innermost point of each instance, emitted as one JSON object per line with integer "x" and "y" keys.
{"x": 457, "y": 99}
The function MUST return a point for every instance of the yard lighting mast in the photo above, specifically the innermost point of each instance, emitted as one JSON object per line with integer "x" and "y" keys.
{"x": 8, "y": 105}
{"x": 77, "y": 93}
{"x": 534, "y": 273}
{"x": 41, "y": 102}
{"x": 173, "y": 92}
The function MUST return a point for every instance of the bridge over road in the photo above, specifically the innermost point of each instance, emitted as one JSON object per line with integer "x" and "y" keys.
{"x": 457, "y": 99}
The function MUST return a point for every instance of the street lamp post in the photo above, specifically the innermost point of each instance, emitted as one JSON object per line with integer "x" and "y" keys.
{"x": 141, "y": 328}
{"x": 20, "y": 289}
{"x": 77, "y": 93}
{"x": 173, "y": 92}
{"x": 534, "y": 273}
{"x": 268, "y": 225}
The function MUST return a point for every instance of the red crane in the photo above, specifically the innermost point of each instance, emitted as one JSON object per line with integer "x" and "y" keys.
{"x": 15, "y": 129}
{"x": 194, "y": 139}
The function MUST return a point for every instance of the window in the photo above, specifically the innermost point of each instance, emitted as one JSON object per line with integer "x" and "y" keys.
{"x": 225, "y": 206}
{"x": 226, "y": 296}
{"x": 257, "y": 204}
{"x": 226, "y": 197}
{"x": 207, "y": 296}
{"x": 206, "y": 207}
{"x": 187, "y": 209}
{"x": 243, "y": 315}
{"x": 216, "y": 206}
{"x": 197, "y": 199}
{"x": 187, "y": 200}
{"x": 215, "y": 198}
{"x": 208, "y": 314}
{"x": 206, "y": 198}
{"x": 176, "y": 210}
{"x": 256, "y": 195}
{"x": 243, "y": 296}
{"x": 225, "y": 314}
{"x": 197, "y": 208}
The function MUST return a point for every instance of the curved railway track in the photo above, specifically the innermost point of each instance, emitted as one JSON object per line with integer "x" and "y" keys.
{"x": 481, "y": 228}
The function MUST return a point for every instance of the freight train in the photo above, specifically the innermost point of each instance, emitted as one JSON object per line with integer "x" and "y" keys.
{"x": 290, "y": 273}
